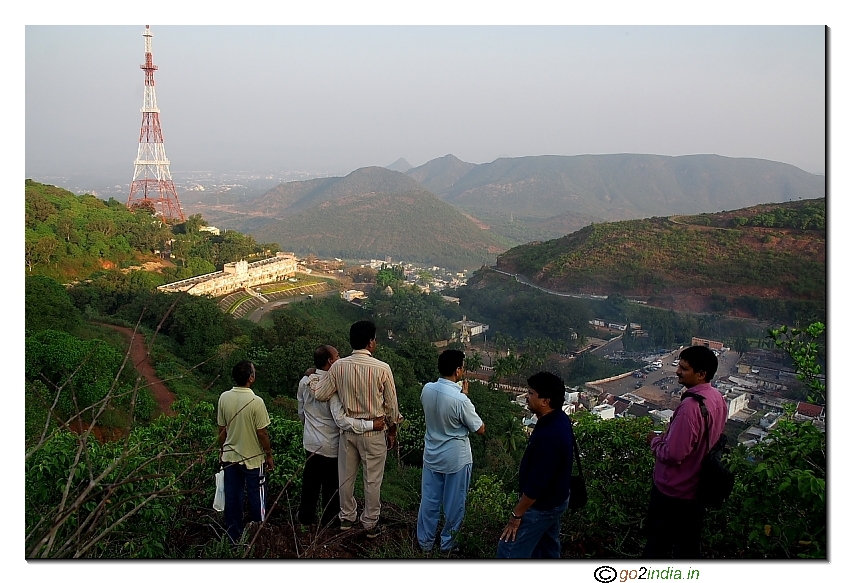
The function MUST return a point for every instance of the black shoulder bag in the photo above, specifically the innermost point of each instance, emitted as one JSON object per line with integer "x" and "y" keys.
{"x": 715, "y": 478}
{"x": 578, "y": 488}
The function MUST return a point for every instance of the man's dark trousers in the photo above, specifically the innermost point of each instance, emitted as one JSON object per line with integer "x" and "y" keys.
{"x": 236, "y": 480}
{"x": 674, "y": 527}
{"x": 320, "y": 473}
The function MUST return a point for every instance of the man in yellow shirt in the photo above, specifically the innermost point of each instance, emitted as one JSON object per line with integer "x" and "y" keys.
{"x": 246, "y": 450}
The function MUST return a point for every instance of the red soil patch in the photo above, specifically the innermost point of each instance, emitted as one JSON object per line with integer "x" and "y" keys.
{"x": 140, "y": 359}
{"x": 100, "y": 432}
{"x": 142, "y": 363}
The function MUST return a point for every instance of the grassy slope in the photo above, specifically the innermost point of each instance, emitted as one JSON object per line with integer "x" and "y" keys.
{"x": 655, "y": 256}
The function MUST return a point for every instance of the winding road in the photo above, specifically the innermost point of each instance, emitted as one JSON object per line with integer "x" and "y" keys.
{"x": 524, "y": 280}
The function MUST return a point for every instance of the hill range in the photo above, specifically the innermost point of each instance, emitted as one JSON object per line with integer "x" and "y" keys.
{"x": 612, "y": 187}
{"x": 693, "y": 263}
{"x": 495, "y": 206}
{"x": 372, "y": 212}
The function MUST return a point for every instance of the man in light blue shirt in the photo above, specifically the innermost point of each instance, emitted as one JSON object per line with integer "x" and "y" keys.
{"x": 447, "y": 459}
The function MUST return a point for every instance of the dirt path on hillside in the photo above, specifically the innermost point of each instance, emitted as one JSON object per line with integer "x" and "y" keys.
{"x": 142, "y": 363}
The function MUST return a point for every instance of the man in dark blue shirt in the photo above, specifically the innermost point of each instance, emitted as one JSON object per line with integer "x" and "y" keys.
{"x": 533, "y": 531}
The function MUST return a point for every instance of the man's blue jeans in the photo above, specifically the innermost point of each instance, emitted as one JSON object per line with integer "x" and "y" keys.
{"x": 538, "y": 537}
{"x": 236, "y": 480}
{"x": 450, "y": 491}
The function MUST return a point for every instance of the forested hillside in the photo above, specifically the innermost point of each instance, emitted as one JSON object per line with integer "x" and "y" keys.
{"x": 374, "y": 212}
{"x": 71, "y": 237}
{"x": 768, "y": 252}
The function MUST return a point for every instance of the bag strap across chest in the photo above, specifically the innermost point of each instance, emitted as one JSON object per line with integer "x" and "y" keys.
{"x": 701, "y": 400}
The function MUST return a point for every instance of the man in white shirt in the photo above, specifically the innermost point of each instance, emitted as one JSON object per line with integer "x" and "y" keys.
{"x": 323, "y": 422}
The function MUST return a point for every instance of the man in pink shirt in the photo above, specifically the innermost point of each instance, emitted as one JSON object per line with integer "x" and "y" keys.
{"x": 674, "y": 518}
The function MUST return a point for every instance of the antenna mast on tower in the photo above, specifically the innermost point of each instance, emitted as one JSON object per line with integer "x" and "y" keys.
{"x": 152, "y": 187}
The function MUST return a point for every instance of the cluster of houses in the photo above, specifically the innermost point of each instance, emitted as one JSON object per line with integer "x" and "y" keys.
{"x": 571, "y": 404}
{"x": 742, "y": 406}
{"x": 753, "y": 394}
{"x": 438, "y": 279}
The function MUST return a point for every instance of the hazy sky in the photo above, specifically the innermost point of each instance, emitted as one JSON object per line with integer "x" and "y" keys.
{"x": 336, "y": 98}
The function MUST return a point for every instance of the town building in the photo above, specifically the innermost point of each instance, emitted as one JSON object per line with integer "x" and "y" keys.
{"x": 736, "y": 401}
{"x": 352, "y": 294}
{"x": 236, "y": 275}
{"x": 808, "y": 412}
{"x": 712, "y": 344}
{"x": 466, "y": 329}
{"x": 662, "y": 416}
{"x": 604, "y": 411}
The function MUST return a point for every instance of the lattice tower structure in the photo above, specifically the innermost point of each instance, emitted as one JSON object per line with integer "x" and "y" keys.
{"x": 152, "y": 187}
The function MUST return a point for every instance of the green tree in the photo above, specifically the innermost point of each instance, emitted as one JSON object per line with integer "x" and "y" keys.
{"x": 48, "y": 306}
{"x": 423, "y": 357}
{"x": 199, "y": 326}
{"x": 804, "y": 348}
{"x": 473, "y": 361}
{"x": 388, "y": 276}
{"x": 513, "y": 435}
{"x": 741, "y": 345}
{"x": 79, "y": 373}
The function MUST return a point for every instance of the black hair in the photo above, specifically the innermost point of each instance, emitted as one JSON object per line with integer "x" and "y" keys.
{"x": 361, "y": 333}
{"x": 701, "y": 359}
{"x": 321, "y": 356}
{"x": 242, "y": 372}
{"x": 449, "y": 361}
{"x": 548, "y": 386}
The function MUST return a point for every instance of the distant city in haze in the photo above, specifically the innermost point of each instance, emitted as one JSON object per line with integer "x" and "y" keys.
{"x": 252, "y": 106}
{"x": 201, "y": 182}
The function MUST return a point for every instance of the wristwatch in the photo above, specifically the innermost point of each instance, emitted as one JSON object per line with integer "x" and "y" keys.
{"x": 514, "y": 515}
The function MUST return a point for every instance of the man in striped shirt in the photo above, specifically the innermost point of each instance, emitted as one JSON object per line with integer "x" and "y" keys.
{"x": 322, "y": 424}
{"x": 366, "y": 388}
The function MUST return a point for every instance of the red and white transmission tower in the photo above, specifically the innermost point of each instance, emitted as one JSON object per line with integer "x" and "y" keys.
{"x": 152, "y": 187}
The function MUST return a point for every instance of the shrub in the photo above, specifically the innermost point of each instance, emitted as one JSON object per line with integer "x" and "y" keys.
{"x": 487, "y": 509}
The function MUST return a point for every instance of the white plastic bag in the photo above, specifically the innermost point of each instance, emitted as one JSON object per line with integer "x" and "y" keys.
{"x": 218, "y": 502}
